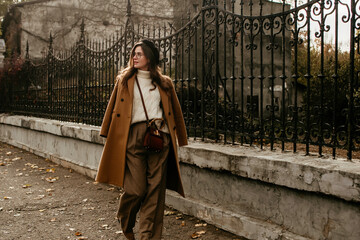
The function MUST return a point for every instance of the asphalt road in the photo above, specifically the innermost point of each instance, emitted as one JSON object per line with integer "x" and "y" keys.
{"x": 41, "y": 200}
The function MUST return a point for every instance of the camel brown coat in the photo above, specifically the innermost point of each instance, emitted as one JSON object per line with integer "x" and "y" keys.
{"x": 116, "y": 125}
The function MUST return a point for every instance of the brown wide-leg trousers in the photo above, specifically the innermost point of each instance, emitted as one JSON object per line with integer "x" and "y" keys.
{"x": 144, "y": 186}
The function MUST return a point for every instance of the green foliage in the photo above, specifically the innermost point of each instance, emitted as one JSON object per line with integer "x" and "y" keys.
{"x": 333, "y": 87}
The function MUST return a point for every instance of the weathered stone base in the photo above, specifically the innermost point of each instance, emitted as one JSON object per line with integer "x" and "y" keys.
{"x": 251, "y": 192}
{"x": 231, "y": 221}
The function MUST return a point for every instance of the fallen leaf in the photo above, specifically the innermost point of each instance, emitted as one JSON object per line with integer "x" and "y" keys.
{"x": 52, "y": 179}
{"x": 82, "y": 238}
{"x": 200, "y": 225}
{"x": 78, "y": 234}
{"x": 33, "y": 166}
{"x": 40, "y": 197}
{"x": 197, "y": 234}
{"x": 105, "y": 226}
{"x": 51, "y": 170}
{"x": 88, "y": 208}
{"x": 26, "y": 186}
{"x": 168, "y": 213}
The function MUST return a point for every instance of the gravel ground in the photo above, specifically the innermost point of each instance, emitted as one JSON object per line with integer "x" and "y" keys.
{"x": 41, "y": 200}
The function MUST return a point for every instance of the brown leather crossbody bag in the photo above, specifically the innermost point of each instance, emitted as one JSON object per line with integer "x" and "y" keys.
{"x": 153, "y": 139}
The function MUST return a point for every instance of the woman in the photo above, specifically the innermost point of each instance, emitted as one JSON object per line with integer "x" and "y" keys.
{"x": 125, "y": 162}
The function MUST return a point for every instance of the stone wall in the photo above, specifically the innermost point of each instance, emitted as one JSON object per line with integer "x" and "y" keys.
{"x": 254, "y": 193}
{"x": 104, "y": 19}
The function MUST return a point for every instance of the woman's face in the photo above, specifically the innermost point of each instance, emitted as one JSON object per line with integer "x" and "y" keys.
{"x": 140, "y": 60}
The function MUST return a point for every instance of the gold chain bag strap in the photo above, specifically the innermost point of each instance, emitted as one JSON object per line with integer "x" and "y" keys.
{"x": 153, "y": 139}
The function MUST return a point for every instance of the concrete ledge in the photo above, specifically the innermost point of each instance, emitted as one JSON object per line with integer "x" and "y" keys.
{"x": 250, "y": 228}
{"x": 80, "y": 169}
{"x": 74, "y": 144}
{"x": 332, "y": 177}
{"x": 64, "y": 129}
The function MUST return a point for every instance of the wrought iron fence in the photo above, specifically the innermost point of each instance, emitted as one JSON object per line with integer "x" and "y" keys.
{"x": 247, "y": 72}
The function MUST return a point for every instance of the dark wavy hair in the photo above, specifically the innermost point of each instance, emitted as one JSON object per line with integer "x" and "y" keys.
{"x": 152, "y": 54}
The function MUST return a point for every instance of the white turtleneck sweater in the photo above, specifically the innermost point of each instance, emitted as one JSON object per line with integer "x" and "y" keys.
{"x": 151, "y": 98}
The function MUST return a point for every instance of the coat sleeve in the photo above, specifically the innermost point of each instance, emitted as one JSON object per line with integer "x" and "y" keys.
{"x": 109, "y": 109}
{"x": 179, "y": 119}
